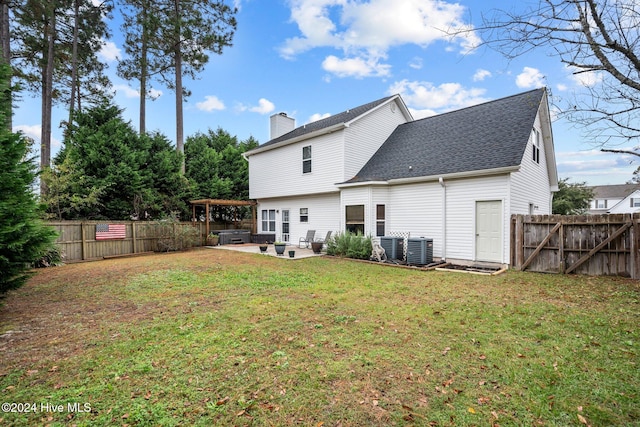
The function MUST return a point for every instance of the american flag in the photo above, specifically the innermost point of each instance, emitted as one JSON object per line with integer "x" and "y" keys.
{"x": 110, "y": 231}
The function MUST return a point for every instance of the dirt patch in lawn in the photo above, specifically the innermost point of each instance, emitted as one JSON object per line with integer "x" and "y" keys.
{"x": 56, "y": 315}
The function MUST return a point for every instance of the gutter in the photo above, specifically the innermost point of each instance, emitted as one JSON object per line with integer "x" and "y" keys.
{"x": 455, "y": 175}
{"x": 444, "y": 218}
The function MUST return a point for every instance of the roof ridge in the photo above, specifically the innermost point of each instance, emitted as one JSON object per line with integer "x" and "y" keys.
{"x": 480, "y": 104}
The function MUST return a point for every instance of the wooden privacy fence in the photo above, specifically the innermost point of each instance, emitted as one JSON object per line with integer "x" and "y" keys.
{"x": 77, "y": 239}
{"x": 584, "y": 244}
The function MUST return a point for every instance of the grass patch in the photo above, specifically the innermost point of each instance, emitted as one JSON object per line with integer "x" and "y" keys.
{"x": 217, "y": 337}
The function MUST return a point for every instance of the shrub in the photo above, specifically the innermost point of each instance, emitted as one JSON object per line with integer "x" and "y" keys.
{"x": 51, "y": 258}
{"x": 173, "y": 236}
{"x": 350, "y": 245}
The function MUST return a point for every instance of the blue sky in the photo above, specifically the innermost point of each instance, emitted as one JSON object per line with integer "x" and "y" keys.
{"x": 312, "y": 58}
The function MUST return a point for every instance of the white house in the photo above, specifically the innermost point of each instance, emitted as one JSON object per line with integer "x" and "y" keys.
{"x": 621, "y": 198}
{"x": 456, "y": 177}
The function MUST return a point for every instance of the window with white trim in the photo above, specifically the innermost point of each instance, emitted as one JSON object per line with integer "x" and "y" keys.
{"x": 304, "y": 214}
{"x": 601, "y": 204}
{"x": 380, "y": 218}
{"x": 306, "y": 159}
{"x": 354, "y": 219}
{"x": 269, "y": 220}
{"x": 535, "y": 136}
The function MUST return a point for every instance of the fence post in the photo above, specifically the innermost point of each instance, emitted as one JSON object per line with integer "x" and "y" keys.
{"x": 133, "y": 237}
{"x": 84, "y": 241}
{"x": 635, "y": 247}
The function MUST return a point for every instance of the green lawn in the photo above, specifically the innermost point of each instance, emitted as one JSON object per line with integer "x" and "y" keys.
{"x": 214, "y": 337}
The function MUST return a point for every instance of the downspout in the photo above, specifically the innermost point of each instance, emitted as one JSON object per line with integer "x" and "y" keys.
{"x": 444, "y": 218}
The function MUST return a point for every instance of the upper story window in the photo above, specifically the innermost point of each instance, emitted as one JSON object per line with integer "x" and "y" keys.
{"x": 535, "y": 136}
{"x": 304, "y": 214}
{"x": 635, "y": 202}
{"x": 306, "y": 159}
{"x": 601, "y": 204}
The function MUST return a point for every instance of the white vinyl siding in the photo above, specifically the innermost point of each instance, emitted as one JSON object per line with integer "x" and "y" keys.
{"x": 324, "y": 211}
{"x": 417, "y": 209}
{"x": 366, "y": 135}
{"x": 530, "y": 184}
{"x": 462, "y": 196}
{"x": 278, "y": 172}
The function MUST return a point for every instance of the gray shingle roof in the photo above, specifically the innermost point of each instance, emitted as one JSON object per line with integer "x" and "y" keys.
{"x": 486, "y": 136}
{"x": 344, "y": 117}
{"x": 619, "y": 191}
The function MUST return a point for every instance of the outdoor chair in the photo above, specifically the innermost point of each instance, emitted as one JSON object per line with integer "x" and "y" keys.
{"x": 307, "y": 240}
{"x": 326, "y": 238}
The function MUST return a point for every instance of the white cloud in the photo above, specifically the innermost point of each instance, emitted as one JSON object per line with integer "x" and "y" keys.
{"x": 154, "y": 93}
{"x": 426, "y": 99}
{"x": 109, "y": 51}
{"x": 210, "y": 103}
{"x": 128, "y": 91}
{"x": 416, "y": 63}
{"x": 318, "y": 116}
{"x": 34, "y": 132}
{"x": 481, "y": 74}
{"x": 586, "y": 79}
{"x": 530, "y": 78}
{"x": 366, "y": 30}
{"x": 355, "y": 67}
{"x": 264, "y": 107}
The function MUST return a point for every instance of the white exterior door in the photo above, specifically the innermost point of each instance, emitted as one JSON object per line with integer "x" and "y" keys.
{"x": 285, "y": 225}
{"x": 489, "y": 231}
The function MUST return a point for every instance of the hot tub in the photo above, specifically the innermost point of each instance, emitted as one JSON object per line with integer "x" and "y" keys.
{"x": 228, "y": 237}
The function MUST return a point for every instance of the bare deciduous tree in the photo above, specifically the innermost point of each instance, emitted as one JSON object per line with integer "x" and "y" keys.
{"x": 599, "y": 41}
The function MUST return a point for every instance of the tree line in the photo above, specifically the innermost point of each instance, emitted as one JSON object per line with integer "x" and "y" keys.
{"x": 52, "y": 48}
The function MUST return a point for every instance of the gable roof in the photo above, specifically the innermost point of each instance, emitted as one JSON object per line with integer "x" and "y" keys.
{"x": 328, "y": 124}
{"x": 619, "y": 191}
{"x": 492, "y": 135}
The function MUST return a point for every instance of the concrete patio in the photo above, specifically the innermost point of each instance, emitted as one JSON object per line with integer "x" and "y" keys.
{"x": 255, "y": 249}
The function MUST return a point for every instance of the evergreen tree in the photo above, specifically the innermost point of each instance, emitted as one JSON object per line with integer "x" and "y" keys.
{"x": 571, "y": 198}
{"x": 23, "y": 235}
{"x": 108, "y": 171}
{"x": 188, "y": 30}
{"x": 215, "y": 166}
{"x": 56, "y": 56}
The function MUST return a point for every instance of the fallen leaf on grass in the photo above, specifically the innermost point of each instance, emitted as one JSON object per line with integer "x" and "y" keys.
{"x": 583, "y": 420}
{"x": 445, "y": 351}
{"x": 147, "y": 396}
{"x": 471, "y": 410}
{"x": 222, "y": 401}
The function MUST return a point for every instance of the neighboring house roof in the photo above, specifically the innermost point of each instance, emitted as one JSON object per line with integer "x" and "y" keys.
{"x": 619, "y": 191}
{"x": 327, "y": 124}
{"x": 492, "y": 135}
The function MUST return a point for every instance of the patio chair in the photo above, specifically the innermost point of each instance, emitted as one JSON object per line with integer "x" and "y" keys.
{"x": 326, "y": 238}
{"x": 307, "y": 240}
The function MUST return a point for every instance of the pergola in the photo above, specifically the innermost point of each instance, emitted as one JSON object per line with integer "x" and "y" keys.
{"x": 219, "y": 202}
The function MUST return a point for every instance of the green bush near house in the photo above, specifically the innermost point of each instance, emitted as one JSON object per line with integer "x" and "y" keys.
{"x": 350, "y": 245}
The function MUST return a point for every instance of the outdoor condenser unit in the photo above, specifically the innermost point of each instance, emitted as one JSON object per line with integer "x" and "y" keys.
{"x": 393, "y": 247}
{"x": 419, "y": 251}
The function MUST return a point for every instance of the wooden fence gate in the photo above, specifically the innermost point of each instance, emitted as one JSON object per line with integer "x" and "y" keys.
{"x": 584, "y": 244}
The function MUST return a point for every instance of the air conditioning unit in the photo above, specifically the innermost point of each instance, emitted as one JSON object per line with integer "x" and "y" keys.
{"x": 419, "y": 251}
{"x": 393, "y": 247}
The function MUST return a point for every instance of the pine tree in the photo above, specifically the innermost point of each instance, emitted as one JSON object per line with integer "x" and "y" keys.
{"x": 23, "y": 235}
